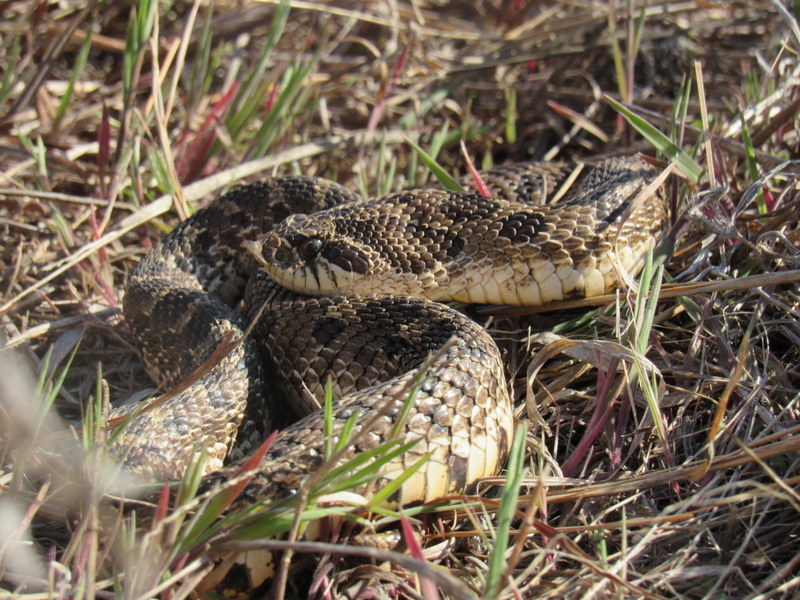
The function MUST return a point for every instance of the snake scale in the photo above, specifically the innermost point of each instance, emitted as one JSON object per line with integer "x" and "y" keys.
{"x": 358, "y": 304}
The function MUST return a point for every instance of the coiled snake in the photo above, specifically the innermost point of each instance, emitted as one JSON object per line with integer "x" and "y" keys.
{"x": 369, "y": 272}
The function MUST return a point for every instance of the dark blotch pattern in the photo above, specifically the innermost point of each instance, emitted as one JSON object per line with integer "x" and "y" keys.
{"x": 346, "y": 257}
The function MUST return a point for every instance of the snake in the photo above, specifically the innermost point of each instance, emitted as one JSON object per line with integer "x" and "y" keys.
{"x": 286, "y": 290}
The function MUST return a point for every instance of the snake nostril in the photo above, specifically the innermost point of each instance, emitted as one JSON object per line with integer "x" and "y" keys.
{"x": 282, "y": 256}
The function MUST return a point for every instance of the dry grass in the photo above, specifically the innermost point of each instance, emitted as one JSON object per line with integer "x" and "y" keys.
{"x": 662, "y": 453}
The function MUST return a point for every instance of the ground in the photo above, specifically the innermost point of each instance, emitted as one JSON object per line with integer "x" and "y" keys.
{"x": 671, "y": 471}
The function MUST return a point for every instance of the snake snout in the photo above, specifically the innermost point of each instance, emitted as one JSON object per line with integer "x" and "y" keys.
{"x": 270, "y": 250}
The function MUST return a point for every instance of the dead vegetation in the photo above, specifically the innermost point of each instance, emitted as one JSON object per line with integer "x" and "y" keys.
{"x": 662, "y": 448}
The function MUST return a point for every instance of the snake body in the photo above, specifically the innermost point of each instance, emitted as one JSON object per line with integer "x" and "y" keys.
{"x": 369, "y": 272}
{"x": 453, "y": 246}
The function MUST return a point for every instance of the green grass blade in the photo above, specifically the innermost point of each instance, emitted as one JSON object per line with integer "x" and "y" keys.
{"x": 363, "y": 186}
{"x": 401, "y": 418}
{"x": 508, "y": 507}
{"x": 252, "y": 88}
{"x": 202, "y": 68}
{"x": 267, "y": 524}
{"x": 511, "y": 115}
{"x": 680, "y": 108}
{"x": 146, "y": 22}
{"x": 616, "y": 53}
{"x": 93, "y": 420}
{"x": 752, "y": 164}
{"x": 644, "y": 314}
{"x": 371, "y": 471}
{"x": 435, "y": 168}
{"x": 279, "y": 118}
{"x": 129, "y": 55}
{"x": 381, "y": 164}
{"x": 394, "y": 485}
{"x": 413, "y": 118}
{"x": 77, "y": 69}
{"x": 190, "y": 482}
{"x": 10, "y": 77}
{"x": 57, "y": 383}
{"x": 208, "y": 520}
{"x": 661, "y": 142}
{"x": 438, "y": 141}
{"x": 345, "y": 433}
{"x": 327, "y": 421}
{"x": 638, "y": 31}
{"x": 355, "y": 462}
{"x": 640, "y": 310}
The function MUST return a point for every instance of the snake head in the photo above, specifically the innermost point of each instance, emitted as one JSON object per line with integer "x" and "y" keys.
{"x": 305, "y": 254}
{"x": 360, "y": 248}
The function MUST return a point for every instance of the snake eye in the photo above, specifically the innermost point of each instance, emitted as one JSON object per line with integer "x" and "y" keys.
{"x": 309, "y": 248}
